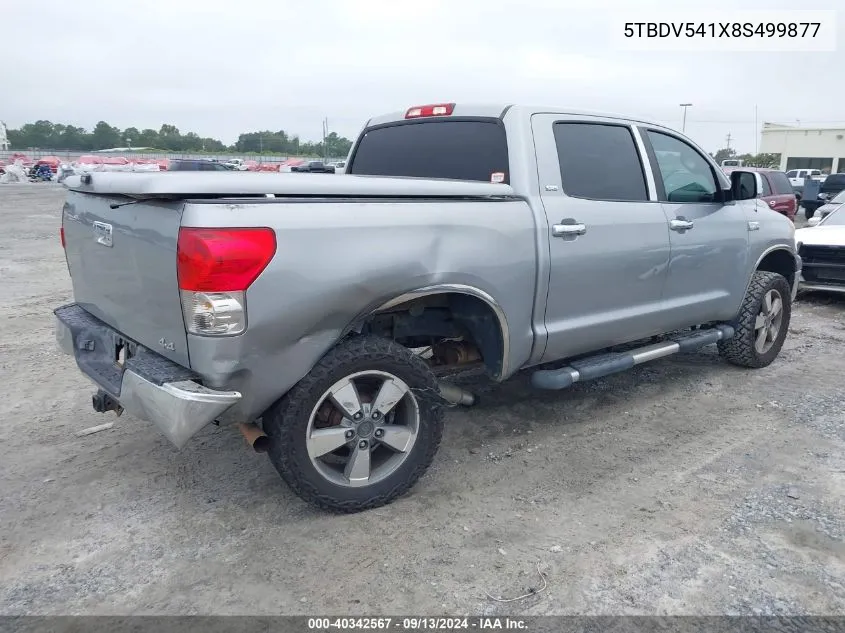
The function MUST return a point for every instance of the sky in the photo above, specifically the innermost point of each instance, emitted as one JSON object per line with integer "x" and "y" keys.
{"x": 219, "y": 68}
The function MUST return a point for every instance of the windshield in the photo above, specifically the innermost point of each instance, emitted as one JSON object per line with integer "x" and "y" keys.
{"x": 839, "y": 198}
{"x": 835, "y": 218}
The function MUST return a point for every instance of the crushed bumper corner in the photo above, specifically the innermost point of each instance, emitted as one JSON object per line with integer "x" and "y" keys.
{"x": 178, "y": 407}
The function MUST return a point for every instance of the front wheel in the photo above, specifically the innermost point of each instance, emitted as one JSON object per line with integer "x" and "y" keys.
{"x": 360, "y": 429}
{"x": 762, "y": 323}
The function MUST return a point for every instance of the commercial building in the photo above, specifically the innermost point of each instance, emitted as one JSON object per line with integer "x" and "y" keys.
{"x": 805, "y": 147}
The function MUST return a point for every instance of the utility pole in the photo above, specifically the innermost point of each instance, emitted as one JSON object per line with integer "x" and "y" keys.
{"x": 684, "y": 124}
{"x": 728, "y": 140}
{"x": 325, "y": 136}
{"x": 756, "y": 133}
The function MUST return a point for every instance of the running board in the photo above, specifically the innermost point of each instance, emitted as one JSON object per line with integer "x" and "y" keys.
{"x": 613, "y": 362}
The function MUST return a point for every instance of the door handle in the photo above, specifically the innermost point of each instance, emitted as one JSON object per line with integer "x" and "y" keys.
{"x": 563, "y": 230}
{"x": 680, "y": 224}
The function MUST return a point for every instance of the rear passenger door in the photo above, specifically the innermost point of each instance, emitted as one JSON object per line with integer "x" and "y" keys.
{"x": 608, "y": 237}
{"x": 709, "y": 237}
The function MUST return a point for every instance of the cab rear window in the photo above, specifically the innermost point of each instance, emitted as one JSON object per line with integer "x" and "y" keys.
{"x": 780, "y": 183}
{"x": 450, "y": 149}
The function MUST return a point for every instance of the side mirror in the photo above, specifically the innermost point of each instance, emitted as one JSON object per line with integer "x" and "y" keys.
{"x": 814, "y": 221}
{"x": 743, "y": 185}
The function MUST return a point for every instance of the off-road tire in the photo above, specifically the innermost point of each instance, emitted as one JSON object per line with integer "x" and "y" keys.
{"x": 740, "y": 350}
{"x": 287, "y": 420}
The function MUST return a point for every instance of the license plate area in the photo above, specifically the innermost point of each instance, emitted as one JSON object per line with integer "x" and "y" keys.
{"x": 123, "y": 351}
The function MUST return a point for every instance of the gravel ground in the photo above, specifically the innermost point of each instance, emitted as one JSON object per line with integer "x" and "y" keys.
{"x": 686, "y": 486}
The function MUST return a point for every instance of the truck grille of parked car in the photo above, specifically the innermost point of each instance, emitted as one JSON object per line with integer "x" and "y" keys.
{"x": 824, "y": 264}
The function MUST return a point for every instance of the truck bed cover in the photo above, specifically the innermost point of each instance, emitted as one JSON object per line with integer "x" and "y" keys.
{"x": 233, "y": 184}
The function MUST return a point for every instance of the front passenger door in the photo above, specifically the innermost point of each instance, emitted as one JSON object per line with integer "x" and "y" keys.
{"x": 708, "y": 236}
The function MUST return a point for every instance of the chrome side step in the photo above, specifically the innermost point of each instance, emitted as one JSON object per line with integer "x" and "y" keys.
{"x": 614, "y": 362}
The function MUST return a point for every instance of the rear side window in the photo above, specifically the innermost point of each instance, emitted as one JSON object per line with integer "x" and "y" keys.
{"x": 599, "y": 162}
{"x": 456, "y": 150}
{"x": 780, "y": 183}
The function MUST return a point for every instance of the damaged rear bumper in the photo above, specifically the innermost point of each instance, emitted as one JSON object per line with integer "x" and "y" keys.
{"x": 147, "y": 385}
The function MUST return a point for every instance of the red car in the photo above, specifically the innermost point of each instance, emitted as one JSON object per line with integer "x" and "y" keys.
{"x": 775, "y": 190}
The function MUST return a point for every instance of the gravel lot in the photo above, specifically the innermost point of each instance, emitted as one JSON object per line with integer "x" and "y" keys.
{"x": 684, "y": 487}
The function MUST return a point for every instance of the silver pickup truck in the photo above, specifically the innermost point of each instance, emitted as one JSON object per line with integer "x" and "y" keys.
{"x": 321, "y": 313}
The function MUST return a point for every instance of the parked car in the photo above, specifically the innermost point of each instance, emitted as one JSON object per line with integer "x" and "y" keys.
{"x": 774, "y": 189}
{"x": 505, "y": 237}
{"x": 822, "y": 249}
{"x": 829, "y": 189}
{"x": 827, "y": 208}
{"x": 797, "y": 178}
{"x": 314, "y": 167}
{"x": 236, "y": 164}
{"x": 192, "y": 164}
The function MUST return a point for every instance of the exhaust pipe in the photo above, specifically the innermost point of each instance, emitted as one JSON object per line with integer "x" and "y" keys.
{"x": 456, "y": 395}
{"x": 255, "y": 437}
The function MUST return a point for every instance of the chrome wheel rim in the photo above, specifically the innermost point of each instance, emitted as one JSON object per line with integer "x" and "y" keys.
{"x": 362, "y": 429}
{"x": 768, "y": 322}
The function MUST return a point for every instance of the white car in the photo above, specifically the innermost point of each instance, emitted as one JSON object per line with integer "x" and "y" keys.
{"x": 829, "y": 207}
{"x": 822, "y": 249}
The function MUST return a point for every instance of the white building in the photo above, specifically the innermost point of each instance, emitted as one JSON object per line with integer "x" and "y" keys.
{"x": 805, "y": 147}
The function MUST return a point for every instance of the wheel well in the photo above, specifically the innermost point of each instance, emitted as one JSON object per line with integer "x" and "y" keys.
{"x": 781, "y": 262}
{"x": 434, "y": 319}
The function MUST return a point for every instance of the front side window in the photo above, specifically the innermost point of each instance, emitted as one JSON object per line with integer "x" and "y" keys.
{"x": 599, "y": 162}
{"x": 767, "y": 189}
{"x": 686, "y": 175}
{"x": 792, "y": 174}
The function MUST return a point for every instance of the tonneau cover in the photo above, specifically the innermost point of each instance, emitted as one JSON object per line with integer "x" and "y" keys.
{"x": 184, "y": 184}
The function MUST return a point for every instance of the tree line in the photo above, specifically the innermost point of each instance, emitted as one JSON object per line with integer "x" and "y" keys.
{"x": 749, "y": 160}
{"x": 168, "y": 138}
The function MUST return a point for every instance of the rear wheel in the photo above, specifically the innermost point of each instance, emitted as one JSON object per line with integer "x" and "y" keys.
{"x": 762, "y": 323}
{"x": 360, "y": 429}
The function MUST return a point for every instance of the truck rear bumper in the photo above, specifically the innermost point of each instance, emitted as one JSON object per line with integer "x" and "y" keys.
{"x": 146, "y": 385}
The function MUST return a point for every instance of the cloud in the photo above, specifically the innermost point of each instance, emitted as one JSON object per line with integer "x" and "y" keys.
{"x": 222, "y": 67}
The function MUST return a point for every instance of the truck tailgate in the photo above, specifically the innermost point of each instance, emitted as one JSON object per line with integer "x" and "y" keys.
{"x": 122, "y": 264}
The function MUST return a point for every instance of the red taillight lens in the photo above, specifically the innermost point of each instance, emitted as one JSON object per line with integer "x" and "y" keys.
{"x": 62, "y": 236}
{"x": 435, "y": 109}
{"x": 222, "y": 260}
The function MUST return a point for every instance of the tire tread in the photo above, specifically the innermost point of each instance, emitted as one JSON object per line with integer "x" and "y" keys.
{"x": 301, "y": 399}
{"x": 739, "y": 349}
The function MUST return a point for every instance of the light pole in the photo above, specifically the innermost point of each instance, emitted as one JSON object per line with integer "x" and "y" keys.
{"x": 684, "y": 124}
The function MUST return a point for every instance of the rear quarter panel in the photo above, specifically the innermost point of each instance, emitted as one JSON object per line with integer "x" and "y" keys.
{"x": 339, "y": 260}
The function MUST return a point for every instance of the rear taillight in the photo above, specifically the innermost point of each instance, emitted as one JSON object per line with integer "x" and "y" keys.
{"x": 436, "y": 109}
{"x": 214, "y": 268}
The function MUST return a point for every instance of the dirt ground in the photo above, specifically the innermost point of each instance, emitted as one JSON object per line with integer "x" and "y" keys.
{"x": 686, "y": 486}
